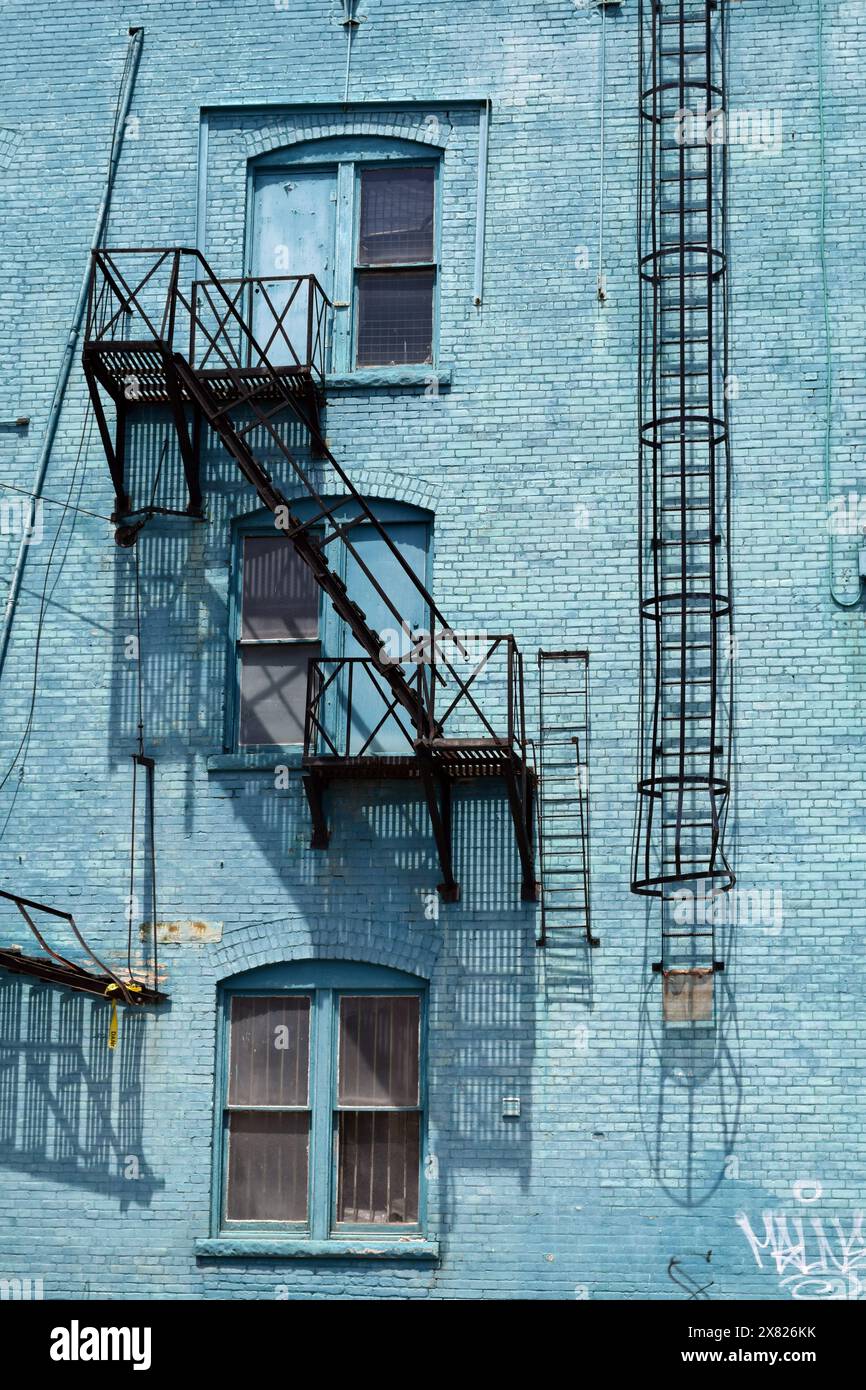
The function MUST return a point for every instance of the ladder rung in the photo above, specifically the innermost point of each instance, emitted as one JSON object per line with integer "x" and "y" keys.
{"x": 687, "y": 274}
{"x": 689, "y": 753}
{"x": 682, "y": 543}
{"x": 687, "y": 935}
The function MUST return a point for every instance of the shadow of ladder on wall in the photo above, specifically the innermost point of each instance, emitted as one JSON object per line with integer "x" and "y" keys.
{"x": 136, "y": 324}
{"x": 563, "y": 800}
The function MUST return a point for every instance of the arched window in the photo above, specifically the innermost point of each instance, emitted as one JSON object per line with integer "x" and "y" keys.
{"x": 322, "y": 1101}
{"x": 361, "y": 215}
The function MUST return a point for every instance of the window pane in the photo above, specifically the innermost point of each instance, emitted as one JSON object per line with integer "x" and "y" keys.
{"x": 378, "y": 1167}
{"x": 395, "y": 317}
{"x": 280, "y": 595}
{"x": 379, "y": 1050}
{"x": 396, "y": 216}
{"x": 269, "y": 1159}
{"x": 270, "y": 1050}
{"x": 273, "y": 692}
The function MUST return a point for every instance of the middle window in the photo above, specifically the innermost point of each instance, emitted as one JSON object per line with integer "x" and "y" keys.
{"x": 279, "y": 634}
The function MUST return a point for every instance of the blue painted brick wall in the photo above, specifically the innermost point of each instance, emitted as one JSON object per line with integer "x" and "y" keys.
{"x": 634, "y": 1146}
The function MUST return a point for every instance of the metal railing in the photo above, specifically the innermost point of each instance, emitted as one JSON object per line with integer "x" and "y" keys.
{"x": 177, "y": 300}
{"x": 472, "y": 699}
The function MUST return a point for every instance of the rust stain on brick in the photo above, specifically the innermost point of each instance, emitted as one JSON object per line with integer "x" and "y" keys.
{"x": 184, "y": 932}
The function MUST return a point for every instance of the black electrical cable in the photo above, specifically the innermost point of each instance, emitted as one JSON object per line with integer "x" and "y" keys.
{"x": 43, "y": 603}
{"x": 141, "y": 757}
{"x": 53, "y": 502}
{"x": 131, "y": 897}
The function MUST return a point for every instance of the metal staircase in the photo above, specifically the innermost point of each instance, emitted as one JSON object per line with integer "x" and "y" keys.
{"x": 226, "y": 354}
{"x": 563, "y": 795}
{"x": 685, "y": 595}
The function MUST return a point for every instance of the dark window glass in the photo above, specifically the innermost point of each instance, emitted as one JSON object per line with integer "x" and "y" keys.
{"x": 396, "y": 216}
{"x": 395, "y": 317}
{"x": 270, "y": 1050}
{"x": 273, "y": 692}
{"x": 268, "y": 1165}
{"x": 279, "y": 625}
{"x": 378, "y": 1151}
{"x": 268, "y": 1149}
{"x": 280, "y": 595}
{"x": 378, "y": 1050}
{"x": 379, "y": 1154}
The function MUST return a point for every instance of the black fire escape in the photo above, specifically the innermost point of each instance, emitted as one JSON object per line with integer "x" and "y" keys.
{"x": 685, "y": 595}
{"x": 229, "y": 355}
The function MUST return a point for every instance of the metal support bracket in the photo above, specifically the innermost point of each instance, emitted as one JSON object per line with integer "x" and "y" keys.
{"x": 313, "y": 787}
{"x": 440, "y": 819}
{"x": 522, "y": 816}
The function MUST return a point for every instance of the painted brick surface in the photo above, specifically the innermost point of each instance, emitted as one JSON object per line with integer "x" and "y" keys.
{"x": 634, "y": 1146}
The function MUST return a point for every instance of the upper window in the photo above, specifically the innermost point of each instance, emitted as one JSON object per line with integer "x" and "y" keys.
{"x": 395, "y": 274}
{"x": 363, "y": 220}
{"x": 323, "y": 1103}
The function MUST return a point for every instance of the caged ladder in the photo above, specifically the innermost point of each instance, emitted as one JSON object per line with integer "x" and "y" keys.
{"x": 685, "y": 594}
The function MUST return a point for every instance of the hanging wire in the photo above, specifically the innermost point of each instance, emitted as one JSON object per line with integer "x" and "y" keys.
{"x": 83, "y": 447}
{"x": 67, "y": 506}
{"x": 641, "y": 155}
{"x": 138, "y": 654}
{"x": 150, "y": 825}
{"x": 600, "y": 285}
{"x": 131, "y": 896}
{"x": 727, "y": 294}
{"x": 828, "y": 337}
{"x": 53, "y": 502}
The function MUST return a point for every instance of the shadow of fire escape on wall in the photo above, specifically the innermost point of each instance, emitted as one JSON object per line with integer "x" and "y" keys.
{"x": 71, "y": 1110}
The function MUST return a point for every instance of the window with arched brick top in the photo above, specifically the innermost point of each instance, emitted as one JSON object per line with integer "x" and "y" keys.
{"x": 323, "y": 1100}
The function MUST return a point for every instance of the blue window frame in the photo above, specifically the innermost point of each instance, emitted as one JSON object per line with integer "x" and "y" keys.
{"x": 321, "y": 1102}
{"x": 364, "y": 217}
